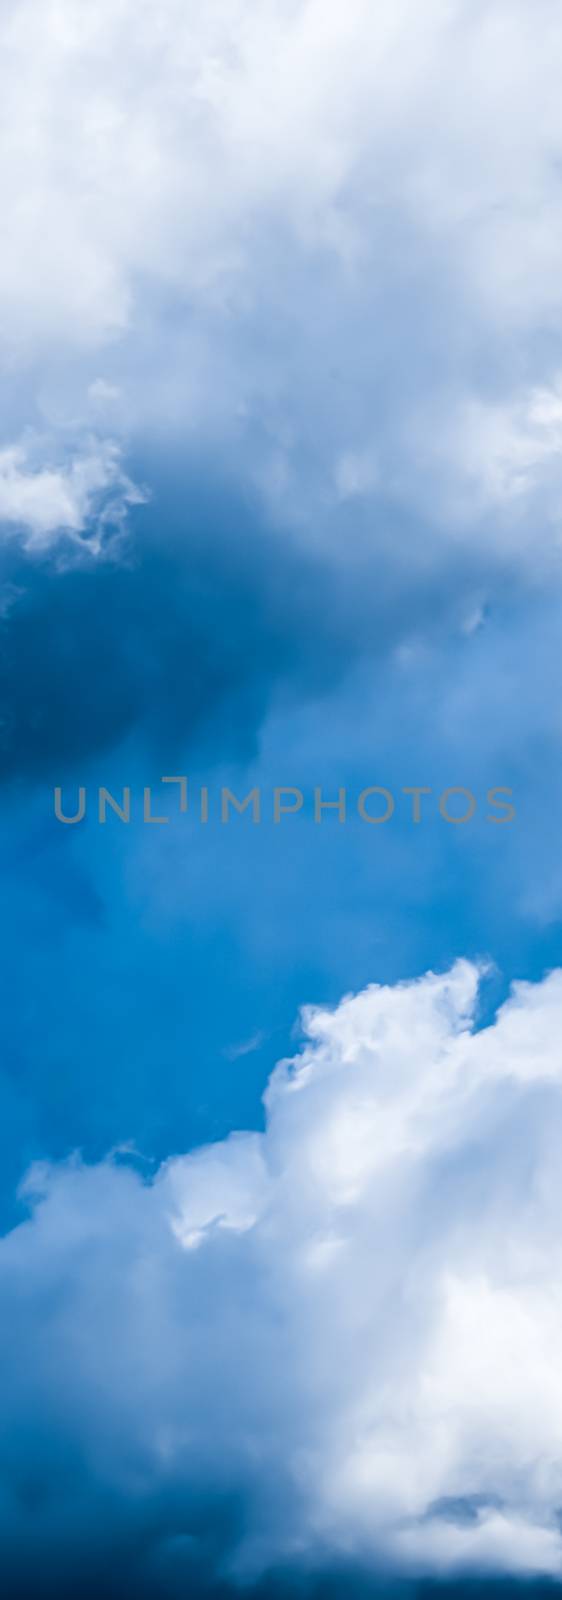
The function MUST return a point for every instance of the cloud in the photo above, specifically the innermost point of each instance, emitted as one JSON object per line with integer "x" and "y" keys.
{"x": 194, "y": 98}
{"x": 178, "y": 640}
{"x": 335, "y": 1341}
{"x": 82, "y": 498}
{"x": 184, "y": 628}
{"x": 246, "y": 1047}
{"x": 308, "y": 269}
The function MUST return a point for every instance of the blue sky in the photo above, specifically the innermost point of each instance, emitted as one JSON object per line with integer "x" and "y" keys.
{"x": 280, "y": 501}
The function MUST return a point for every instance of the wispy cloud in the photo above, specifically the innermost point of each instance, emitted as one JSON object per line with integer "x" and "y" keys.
{"x": 235, "y": 1052}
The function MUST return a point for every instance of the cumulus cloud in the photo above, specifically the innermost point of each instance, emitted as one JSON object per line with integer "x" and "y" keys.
{"x": 306, "y": 234}
{"x": 352, "y": 1319}
{"x": 241, "y": 115}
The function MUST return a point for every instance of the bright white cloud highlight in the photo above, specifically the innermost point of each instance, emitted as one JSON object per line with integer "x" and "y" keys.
{"x": 85, "y": 495}
{"x": 355, "y": 1317}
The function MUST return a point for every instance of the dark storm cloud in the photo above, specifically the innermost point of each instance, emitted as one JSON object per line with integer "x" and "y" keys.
{"x": 187, "y": 632}
{"x": 153, "y": 1564}
{"x": 185, "y": 636}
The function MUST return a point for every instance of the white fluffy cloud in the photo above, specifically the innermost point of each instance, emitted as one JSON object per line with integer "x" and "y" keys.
{"x": 154, "y": 142}
{"x": 354, "y": 1317}
{"x": 86, "y": 494}
{"x": 307, "y": 233}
